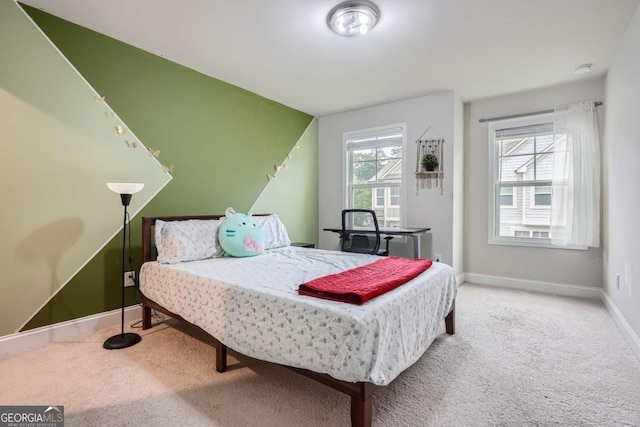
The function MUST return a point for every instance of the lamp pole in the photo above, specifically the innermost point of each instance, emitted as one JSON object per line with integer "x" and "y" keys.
{"x": 122, "y": 340}
{"x": 126, "y": 199}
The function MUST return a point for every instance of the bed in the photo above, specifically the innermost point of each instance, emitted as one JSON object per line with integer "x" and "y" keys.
{"x": 251, "y": 305}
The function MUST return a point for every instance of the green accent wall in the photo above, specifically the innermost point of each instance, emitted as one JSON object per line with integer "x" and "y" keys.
{"x": 291, "y": 182}
{"x": 221, "y": 140}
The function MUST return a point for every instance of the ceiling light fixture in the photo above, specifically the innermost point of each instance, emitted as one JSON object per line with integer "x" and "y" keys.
{"x": 353, "y": 18}
{"x": 582, "y": 69}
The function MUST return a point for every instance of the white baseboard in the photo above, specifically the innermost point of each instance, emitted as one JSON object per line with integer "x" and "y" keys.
{"x": 625, "y": 329}
{"x": 563, "y": 289}
{"x": 64, "y": 331}
{"x": 530, "y": 285}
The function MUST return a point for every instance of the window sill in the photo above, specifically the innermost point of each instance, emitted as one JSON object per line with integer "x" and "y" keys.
{"x": 531, "y": 243}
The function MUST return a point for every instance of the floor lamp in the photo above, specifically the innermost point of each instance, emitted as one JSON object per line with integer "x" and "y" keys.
{"x": 126, "y": 190}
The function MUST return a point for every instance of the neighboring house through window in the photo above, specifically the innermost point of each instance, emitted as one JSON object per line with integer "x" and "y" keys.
{"x": 374, "y": 172}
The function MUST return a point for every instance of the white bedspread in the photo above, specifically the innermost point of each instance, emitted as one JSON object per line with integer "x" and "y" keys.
{"x": 252, "y": 306}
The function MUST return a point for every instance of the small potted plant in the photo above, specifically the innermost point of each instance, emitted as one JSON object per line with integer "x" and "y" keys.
{"x": 430, "y": 162}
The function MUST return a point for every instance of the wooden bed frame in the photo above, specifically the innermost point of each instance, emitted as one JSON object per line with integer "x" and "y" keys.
{"x": 361, "y": 392}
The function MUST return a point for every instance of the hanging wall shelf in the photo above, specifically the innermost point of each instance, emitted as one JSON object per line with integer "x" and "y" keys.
{"x": 429, "y": 163}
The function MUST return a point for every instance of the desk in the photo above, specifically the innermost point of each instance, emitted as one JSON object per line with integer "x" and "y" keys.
{"x": 415, "y": 233}
{"x": 304, "y": 244}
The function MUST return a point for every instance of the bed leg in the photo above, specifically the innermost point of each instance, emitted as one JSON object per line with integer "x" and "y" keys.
{"x": 450, "y": 320}
{"x": 361, "y": 411}
{"x": 221, "y": 357}
{"x": 146, "y": 316}
{"x": 361, "y": 405}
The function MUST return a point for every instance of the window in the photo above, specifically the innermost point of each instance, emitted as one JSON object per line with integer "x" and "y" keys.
{"x": 379, "y": 197}
{"x": 394, "y": 196}
{"x": 506, "y": 196}
{"x": 541, "y": 234}
{"x": 529, "y": 233}
{"x": 374, "y": 172}
{"x": 542, "y": 196}
{"x": 522, "y": 165}
{"x": 545, "y": 179}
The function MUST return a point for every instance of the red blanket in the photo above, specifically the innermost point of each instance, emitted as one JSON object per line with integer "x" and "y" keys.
{"x": 359, "y": 285}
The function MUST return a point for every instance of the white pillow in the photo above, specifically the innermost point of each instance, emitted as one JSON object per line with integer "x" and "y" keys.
{"x": 273, "y": 230}
{"x": 189, "y": 240}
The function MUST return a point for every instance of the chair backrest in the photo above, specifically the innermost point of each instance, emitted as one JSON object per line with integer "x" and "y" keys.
{"x": 351, "y": 240}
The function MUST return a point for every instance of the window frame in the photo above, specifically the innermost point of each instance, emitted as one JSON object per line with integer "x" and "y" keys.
{"x": 347, "y": 167}
{"x": 494, "y": 236}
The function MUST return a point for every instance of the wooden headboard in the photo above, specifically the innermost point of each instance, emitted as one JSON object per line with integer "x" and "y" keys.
{"x": 148, "y": 222}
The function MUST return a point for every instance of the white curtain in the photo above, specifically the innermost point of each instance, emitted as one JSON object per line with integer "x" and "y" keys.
{"x": 575, "y": 201}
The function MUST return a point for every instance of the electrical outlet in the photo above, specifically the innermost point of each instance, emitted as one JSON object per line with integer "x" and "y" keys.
{"x": 438, "y": 257}
{"x": 129, "y": 279}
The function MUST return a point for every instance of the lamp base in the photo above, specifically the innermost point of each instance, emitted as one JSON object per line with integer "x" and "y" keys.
{"x": 122, "y": 341}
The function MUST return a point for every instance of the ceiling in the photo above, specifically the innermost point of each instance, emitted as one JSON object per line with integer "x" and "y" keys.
{"x": 284, "y": 51}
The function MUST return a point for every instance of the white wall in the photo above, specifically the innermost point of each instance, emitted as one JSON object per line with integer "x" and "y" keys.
{"x": 428, "y": 208}
{"x": 621, "y": 155}
{"x": 556, "y": 266}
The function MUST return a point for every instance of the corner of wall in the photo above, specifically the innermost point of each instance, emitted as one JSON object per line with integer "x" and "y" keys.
{"x": 458, "y": 187}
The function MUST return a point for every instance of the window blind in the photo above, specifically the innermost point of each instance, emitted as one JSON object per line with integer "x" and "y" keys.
{"x": 525, "y": 131}
{"x": 376, "y": 139}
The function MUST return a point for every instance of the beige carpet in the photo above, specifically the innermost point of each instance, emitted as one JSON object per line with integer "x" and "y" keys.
{"x": 518, "y": 359}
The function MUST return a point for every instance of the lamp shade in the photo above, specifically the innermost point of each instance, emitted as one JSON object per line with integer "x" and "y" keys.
{"x": 125, "y": 187}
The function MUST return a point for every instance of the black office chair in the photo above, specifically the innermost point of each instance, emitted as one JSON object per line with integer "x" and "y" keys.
{"x": 352, "y": 241}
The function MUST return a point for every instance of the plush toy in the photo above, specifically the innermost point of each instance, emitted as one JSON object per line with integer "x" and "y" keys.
{"x": 239, "y": 235}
